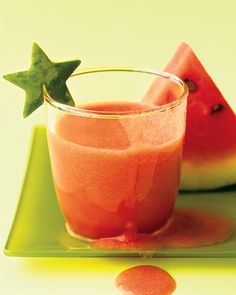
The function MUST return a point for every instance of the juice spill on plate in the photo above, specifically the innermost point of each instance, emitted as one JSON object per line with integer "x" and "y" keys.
{"x": 194, "y": 227}
{"x": 115, "y": 175}
{"x": 186, "y": 228}
{"x": 145, "y": 279}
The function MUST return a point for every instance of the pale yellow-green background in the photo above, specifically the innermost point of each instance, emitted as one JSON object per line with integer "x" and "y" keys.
{"x": 143, "y": 33}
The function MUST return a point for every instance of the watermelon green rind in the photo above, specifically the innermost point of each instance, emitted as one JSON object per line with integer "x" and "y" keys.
{"x": 209, "y": 176}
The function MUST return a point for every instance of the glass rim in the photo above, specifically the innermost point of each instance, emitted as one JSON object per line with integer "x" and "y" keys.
{"x": 111, "y": 114}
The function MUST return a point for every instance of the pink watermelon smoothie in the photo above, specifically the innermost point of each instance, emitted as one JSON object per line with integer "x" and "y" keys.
{"x": 106, "y": 183}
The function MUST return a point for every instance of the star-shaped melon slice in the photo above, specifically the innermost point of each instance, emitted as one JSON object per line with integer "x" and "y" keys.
{"x": 43, "y": 72}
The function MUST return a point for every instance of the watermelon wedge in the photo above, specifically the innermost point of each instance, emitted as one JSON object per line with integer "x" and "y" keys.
{"x": 209, "y": 155}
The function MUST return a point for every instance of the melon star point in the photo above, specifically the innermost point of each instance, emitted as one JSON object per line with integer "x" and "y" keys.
{"x": 43, "y": 71}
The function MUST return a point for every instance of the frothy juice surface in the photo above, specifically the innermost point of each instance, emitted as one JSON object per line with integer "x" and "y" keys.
{"x": 114, "y": 175}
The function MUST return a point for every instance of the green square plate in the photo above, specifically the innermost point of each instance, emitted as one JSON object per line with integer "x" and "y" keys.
{"x": 38, "y": 227}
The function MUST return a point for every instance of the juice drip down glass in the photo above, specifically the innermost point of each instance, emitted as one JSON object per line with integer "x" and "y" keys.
{"x": 116, "y": 157}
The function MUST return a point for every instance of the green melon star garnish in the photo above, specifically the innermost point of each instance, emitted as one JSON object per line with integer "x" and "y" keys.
{"x": 43, "y": 73}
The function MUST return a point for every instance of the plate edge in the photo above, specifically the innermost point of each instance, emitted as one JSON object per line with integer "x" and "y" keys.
{"x": 33, "y": 137}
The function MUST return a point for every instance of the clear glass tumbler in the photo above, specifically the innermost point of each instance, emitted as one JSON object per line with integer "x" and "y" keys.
{"x": 116, "y": 154}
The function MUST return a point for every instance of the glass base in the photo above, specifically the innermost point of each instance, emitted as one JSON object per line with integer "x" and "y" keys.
{"x": 122, "y": 238}
{"x": 129, "y": 231}
{"x": 75, "y": 235}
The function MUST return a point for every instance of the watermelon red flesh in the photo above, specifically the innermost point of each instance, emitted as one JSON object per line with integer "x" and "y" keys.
{"x": 211, "y": 123}
{"x": 209, "y": 154}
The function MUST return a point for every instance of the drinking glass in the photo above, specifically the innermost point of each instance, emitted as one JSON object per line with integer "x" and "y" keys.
{"x": 116, "y": 154}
